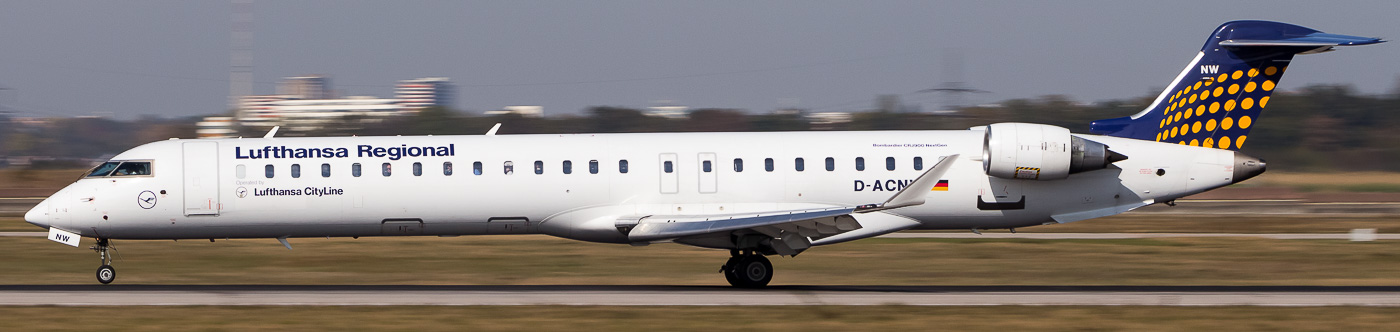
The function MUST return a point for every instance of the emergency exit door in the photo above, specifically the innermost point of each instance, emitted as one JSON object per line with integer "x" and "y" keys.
{"x": 708, "y": 170}
{"x": 201, "y": 163}
{"x": 670, "y": 175}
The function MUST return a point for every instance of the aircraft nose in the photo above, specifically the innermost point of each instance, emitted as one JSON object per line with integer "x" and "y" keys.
{"x": 1247, "y": 167}
{"x": 36, "y": 215}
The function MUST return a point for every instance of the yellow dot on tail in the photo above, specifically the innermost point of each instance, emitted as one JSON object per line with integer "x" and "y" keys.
{"x": 1195, "y": 143}
{"x": 1227, "y": 123}
{"x": 1247, "y": 103}
{"x": 1215, "y": 106}
{"x": 1205, "y": 94}
{"x": 1239, "y": 143}
{"x": 1268, "y": 85}
{"x": 1250, "y": 87}
{"x": 1197, "y": 86}
{"x": 1225, "y": 142}
{"x": 1253, "y": 72}
{"x": 1222, "y": 78}
{"x": 1209, "y": 142}
{"x": 1234, "y": 88}
{"x": 1196, "y": 127}
{"x": 1210, "y": 125}
{"x": 1271, "y": 71}
{"x": 1177, "y": 117}
{"x": 1200, "y": 110}
{"x": 1245, "y": 121}
{"x": 1229, "y": 105}
{"x": 1263, "y": 101}
{"x": 1173, "y": 134}
{"x": 1162, "y": 124}
{"x": 1237, "y": 75}
{"x": 1218, "y": 91}
{"x": 1193, "y": 99}
{"x": 1181, "y": 143}
{"x": 1159, "y": 137}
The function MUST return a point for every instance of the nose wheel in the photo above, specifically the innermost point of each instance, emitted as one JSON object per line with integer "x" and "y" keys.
{"x": 748, "y": 270}
{"x": 106, "y": 273}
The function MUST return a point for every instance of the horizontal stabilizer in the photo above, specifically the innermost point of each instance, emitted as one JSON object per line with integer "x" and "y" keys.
{"x": 1309, "y": 40}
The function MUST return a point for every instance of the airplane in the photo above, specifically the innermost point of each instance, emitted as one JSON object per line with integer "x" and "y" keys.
{"x": 753, "y": 194}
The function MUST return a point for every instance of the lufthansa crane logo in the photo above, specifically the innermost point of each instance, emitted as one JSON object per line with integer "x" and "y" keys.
{"x": 242, "y": 192}
{"x": 146, "y": 199}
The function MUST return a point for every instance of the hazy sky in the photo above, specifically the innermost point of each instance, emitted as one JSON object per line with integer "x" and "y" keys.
{"x": 171, "y": 58}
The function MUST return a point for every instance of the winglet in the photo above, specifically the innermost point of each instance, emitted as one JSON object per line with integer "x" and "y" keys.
{"x": 914, "y": 193}
{"x": 493, "y": 130}
{"x": 272, "y": 132}
{"x": 284, "y": 242}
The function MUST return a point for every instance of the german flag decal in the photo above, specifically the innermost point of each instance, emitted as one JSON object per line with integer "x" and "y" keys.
{"x": 941, "y": 186}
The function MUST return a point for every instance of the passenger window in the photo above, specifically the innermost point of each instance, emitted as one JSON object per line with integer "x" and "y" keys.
{"x": 889, "y": 163}
{"x": 107, "y": 167}
{"x": 355, "y": 170}
{"x": 241, "y": 171}
{"x": 918, "y": 163}
{"x": 768, "y": 164}
{"x": 509, "y": 168}
{"x": 568, "y": 167}
{"x": 830, "y": 164}
{"x": 417, "y": 169}
{"x": 622, "y": 166}
{"x": 707, "y": 167}
{"x": 860, "y": 163}
{"x": 592, "y": 167}
{"x": 325, "y": 170}
{"x": 799, "y": 164}
{"x": 133, "y": 168}
{"x": 476, "y": 168}
{"x": 738, "y": 165}
{"x": 296, "y": 171}
{"x": 447, "y": 168}
{"x": 387, "y": 169}
{"x": 668, "y": 167}
{"x": 267, "y": 171}
{"x": 539, "y": 167}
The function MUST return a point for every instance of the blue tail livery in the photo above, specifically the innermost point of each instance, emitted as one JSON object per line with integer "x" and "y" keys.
{"x": 1218, "y": 97}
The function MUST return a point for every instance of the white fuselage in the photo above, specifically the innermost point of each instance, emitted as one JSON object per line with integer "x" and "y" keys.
{"x": 219, "y": 188}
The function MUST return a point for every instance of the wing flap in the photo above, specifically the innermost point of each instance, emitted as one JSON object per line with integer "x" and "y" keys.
{"x": 657, "y": 227}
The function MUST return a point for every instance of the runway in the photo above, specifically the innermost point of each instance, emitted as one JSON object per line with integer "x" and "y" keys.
{"x": 290, "y": 295}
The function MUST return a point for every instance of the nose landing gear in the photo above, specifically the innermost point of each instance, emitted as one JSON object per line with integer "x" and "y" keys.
{"x": 747, "y": 269}
{"x": 106, "y": 273}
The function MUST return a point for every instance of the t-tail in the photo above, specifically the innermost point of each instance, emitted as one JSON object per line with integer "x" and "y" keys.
{"x": 1219, "y": 96}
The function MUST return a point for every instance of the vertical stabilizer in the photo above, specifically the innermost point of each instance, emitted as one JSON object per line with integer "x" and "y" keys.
{"x": 1218, "y": 97}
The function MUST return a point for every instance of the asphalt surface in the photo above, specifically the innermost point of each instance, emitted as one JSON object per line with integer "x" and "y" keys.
{"x": 353, "y": 295}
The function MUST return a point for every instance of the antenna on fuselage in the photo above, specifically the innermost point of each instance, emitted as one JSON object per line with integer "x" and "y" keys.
{"x": 493, "y": 130}
{"x": 272, "y": 132}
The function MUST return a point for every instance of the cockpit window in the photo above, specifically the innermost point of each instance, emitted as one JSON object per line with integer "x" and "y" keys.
{"x": 104, "y": 169}
{"x": 122, "y": 168}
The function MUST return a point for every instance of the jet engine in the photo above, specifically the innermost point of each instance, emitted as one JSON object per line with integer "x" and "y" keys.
{"x": 1041, "y": 152}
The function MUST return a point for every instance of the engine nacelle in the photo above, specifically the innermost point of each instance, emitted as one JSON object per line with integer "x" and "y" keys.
{"x": 1040, "y": 152}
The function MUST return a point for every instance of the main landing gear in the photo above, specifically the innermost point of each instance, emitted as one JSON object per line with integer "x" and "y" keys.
{"x": 105, "y": 274}
{"x": 747, "y": 269}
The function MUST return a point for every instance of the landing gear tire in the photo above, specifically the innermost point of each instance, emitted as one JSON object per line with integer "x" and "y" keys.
{"x": 106, "y": 274}
{"x": 749, "y": 271}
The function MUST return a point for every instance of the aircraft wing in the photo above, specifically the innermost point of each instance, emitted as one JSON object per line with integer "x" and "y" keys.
{"x": 789, "y": 231}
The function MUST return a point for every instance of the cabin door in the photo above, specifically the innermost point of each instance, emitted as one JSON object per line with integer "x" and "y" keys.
{"x": 201, "y": 183}
{"x": 670, "y": 176}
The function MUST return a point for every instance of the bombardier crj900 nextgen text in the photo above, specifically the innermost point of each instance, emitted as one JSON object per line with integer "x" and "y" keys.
{"x": 755, "y": 194}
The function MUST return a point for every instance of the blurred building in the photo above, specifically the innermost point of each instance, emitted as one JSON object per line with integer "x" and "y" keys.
{"x": 306, "y": 87}
{"x": 669, "y": 112}
{"x": 523, "y": 110}
{"x": 418, "y": 93}
{"x": 264, "y": 111}
{"x": 828, "y": 118}
{"x": 216, "y": 127}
